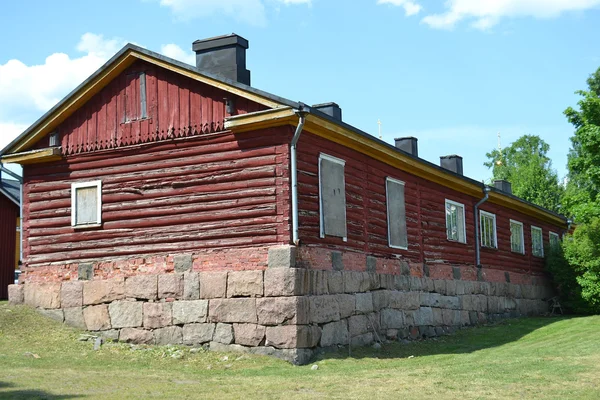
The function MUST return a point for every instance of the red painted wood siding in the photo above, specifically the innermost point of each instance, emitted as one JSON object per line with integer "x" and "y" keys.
{"x": 9, "y": 212}
{"x": 425, "y": 213}
{"x": 212, "y": 191}
{"x": 176, "y": 106}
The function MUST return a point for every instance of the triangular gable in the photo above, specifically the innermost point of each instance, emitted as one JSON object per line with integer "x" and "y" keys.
{"x": 119, "y": 63}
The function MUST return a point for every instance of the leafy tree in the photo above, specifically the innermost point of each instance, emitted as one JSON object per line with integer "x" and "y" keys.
{"x": 577, "y": 269}
{"x": 575, "y": 266}
{"x": 527, "y": 167}
{"x": 582, "y": 197}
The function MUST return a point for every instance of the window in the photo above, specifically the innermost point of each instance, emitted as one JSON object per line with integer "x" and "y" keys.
{"x": 554, "y": 239}
{"x": 396, "y": 213}
{"x": 332, "y": 196}
{"x": 86, "y": 203}
{"x": 455, "y": 221}
{"x": 517, "y": 242}
{"x": 134, "y": 104}
{"x": 487, "y": 224}
{"x": 537, "y": 242}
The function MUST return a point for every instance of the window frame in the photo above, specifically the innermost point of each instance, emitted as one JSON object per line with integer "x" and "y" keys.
{"x": 483, "y": 214}
{"x": 387, "y": 210}
{"x": 511, "y": 222}
{"x": 464, "y": 224}
{"x": 82, "y": 185}
{"x": 533, "y": 252}
{"x": 323, "y": 156}
{"x": 556, "y": 235}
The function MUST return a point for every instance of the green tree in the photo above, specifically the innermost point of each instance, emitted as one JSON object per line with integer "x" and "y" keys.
{"x": 526, "y": 165}
{"x": 582, "y": 197}
{"x": 577, "y": 270}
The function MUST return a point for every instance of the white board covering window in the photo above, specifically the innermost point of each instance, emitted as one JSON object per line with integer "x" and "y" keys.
{"x": 86, "y": 203}
{"x": 396, "y": 213}
{"x": 517, "y": 242}
{"x": 455, "y": 221}
{"x": 537, "y": 242}
{"x": 332, "y": 196}
{"x": 487, "y": 224}
{"x": 554, "y": 239}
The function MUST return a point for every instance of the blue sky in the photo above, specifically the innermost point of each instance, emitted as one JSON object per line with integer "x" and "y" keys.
{"x": 452, "y": 73}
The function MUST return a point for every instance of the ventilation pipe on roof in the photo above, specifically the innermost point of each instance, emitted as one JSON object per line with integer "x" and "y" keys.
{"x": 301, "y": 113}
{"x": 486, "y": 192}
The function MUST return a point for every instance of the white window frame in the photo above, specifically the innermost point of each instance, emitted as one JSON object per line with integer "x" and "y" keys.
{"x": 82, "y": 185}
{"x": 464, "y": 224}
{"x": 533, "y": 252}
{"x": 556, "y": 235}
{"x": 495, "y": 238}
{"x": 323, "y": 156}
{"x": 512, "y": 221}
{"x": 387, "y": 201}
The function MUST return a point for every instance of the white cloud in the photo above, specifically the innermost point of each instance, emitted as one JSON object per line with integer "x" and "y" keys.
{"x": 410, "y": 7}
{"x": 34, "y": 88}
{"x": 176, "y": 52}
{"x": 485, "y": 14}
{"x": 9, "y": 131}
{"x": 26, "y": 91}
{"x": 252, "y": 12}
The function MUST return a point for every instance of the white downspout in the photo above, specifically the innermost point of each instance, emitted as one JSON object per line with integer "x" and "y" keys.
{"x": 301, "y": 118}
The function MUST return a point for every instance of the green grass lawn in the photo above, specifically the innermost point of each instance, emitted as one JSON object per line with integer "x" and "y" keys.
{"x": 547, "y": 358}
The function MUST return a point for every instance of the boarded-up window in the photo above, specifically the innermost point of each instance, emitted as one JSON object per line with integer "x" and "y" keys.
{"x": 134, "y": 104}
{"x": 86, "y": 203}
{"x": 396, "y": 213}
{"x": 332, "y": 196}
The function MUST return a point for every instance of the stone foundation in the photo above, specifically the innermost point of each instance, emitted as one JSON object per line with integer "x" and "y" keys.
{"x": 283, "y": 311}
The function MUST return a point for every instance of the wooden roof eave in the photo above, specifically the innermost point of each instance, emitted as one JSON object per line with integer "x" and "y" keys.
{"x": 261, "y": 119}
{"x": 33, "y": 156}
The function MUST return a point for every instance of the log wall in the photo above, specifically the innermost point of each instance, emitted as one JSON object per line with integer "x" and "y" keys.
{"x": 425, "y": 214}
{"x": 211, "y": 191}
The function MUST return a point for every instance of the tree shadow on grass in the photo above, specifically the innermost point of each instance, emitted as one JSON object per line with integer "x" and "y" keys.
{"x": 467, "y": 340}
{"x": 30, "y": 394}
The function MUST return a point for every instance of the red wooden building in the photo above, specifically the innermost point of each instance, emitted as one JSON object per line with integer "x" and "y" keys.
{"x": 152, "y": 167}
{"x": 9, "y": 235}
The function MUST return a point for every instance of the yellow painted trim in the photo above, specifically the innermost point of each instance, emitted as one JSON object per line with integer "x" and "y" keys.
{"x": 262, "y": 119}
{"x": 33, "y": 157}
{"x": 209, "y": 81}
{"x": 348, "y": 138}
{"x": 527, "y": 209}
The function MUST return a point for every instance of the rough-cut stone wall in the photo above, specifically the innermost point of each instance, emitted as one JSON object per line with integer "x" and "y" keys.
{"x": 284, "y": 311}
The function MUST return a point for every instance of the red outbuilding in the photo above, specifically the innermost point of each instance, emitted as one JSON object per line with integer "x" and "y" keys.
{"x": 10, "y": 214}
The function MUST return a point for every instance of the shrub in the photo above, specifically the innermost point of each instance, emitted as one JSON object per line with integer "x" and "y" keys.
{"x": 575, "y": 266}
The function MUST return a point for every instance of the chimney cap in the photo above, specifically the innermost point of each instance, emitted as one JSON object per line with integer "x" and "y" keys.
{"x": 219, "y": 41}
{"x": 451, "y": 156}
{"x": 328, "y": 104}
{"x": 406, "y": 138}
